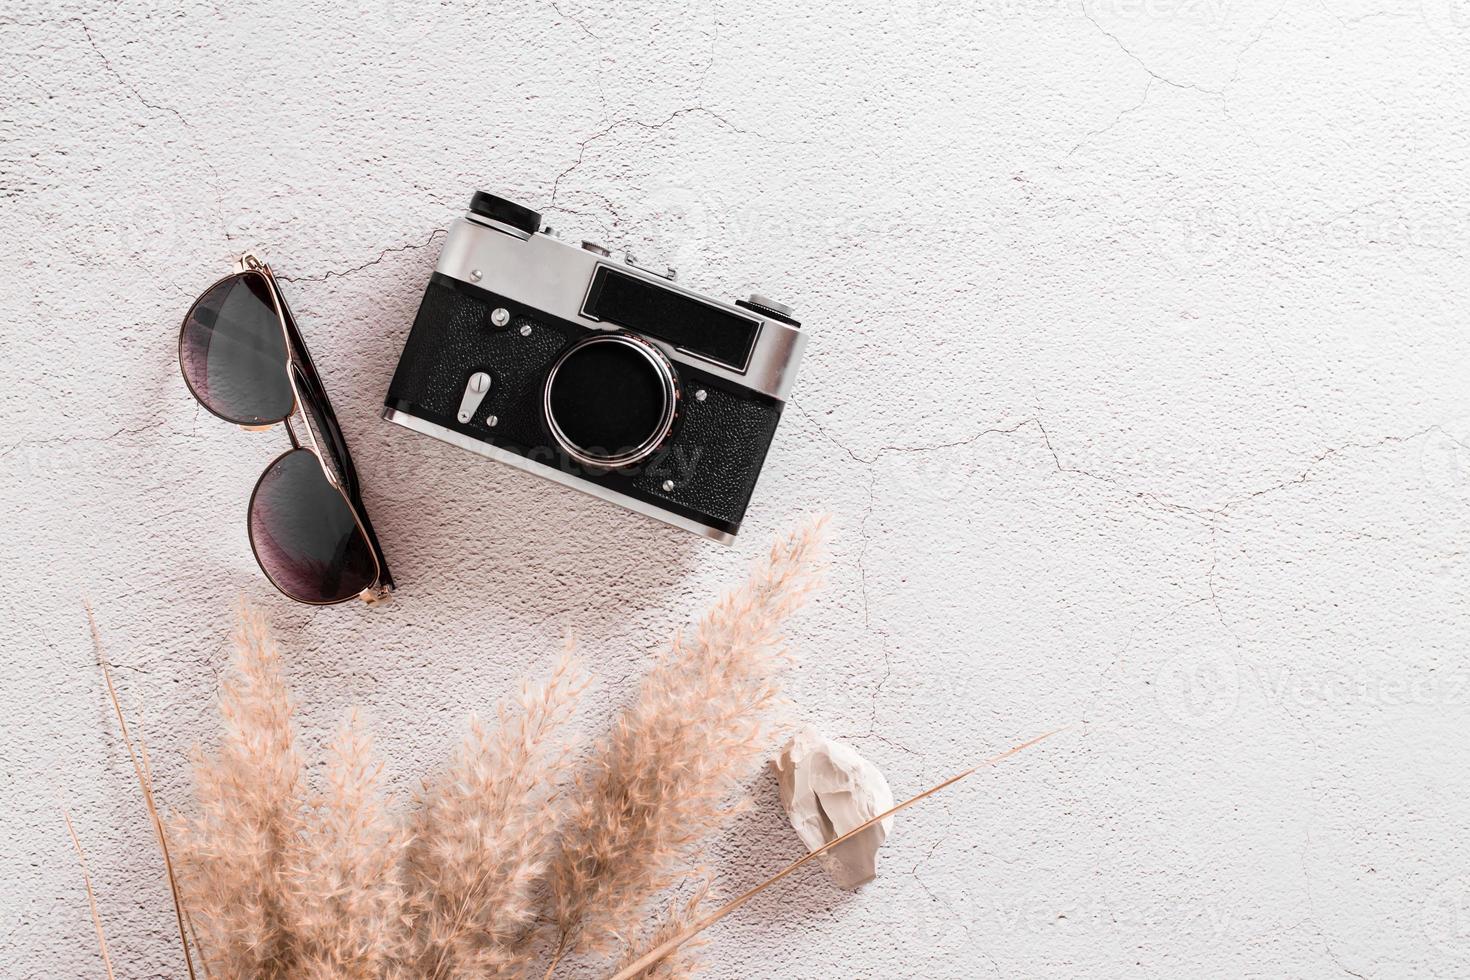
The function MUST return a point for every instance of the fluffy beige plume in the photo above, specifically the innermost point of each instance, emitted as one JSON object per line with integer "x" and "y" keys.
{"x": 344, "y": 891}
{"x": 237, "y": 853}
{"x": 681, "y": 963}
{"x": 278, "y": 884}
{"x": 482, "y": 837}
{"x": 664, "y": 778}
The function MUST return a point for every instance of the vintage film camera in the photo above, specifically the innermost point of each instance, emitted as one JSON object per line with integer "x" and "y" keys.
{"x": 585, "y": 368}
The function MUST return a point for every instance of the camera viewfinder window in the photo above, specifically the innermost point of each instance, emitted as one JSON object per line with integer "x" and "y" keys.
{"x": 710, "y": 332}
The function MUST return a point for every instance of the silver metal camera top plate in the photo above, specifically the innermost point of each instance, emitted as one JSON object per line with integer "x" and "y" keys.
{"x": 552, "y": 276}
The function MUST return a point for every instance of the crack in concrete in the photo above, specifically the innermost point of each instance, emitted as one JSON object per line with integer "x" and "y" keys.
{"x": 647, "y": 127}
{"x": 865, "y": 538}
{"x": 133, "y": 90}
{"x": 118, "y": 77}
{"x": 131, "y": 668}
{"x": 585, "y": 215}
{"x": 1214, "y": 596}
{"x": 67, "y": 440}
{"x": 1149, "y": 498}
{"x": 1327, "y": 454}
{"x": 1222, "y": 513}
{"x": 1312, "y": 909}
{"x": 1189, "y": 86}
{"x": 1210, "y": 516}
{"x": 1240, "y": 55}
{"x": 1143, "y": 100}
{"x": 714, "y": 39}
{"x": 952, "y": 914}
{"x": 1378, "y": 15}
{"x": 393, "y": 250}
{"x": 158, "y": 107}
{"x": 878, "y": 688}
{"x": 892, "y": 743}
{"x": 43, "y": 89}
{"x": 1119, "y": 657}
{"x": 863, "y": 551}
{"x": 1218, "y": 93}
{"x": 574, "y": 19}
{"x": 607, "y": 204}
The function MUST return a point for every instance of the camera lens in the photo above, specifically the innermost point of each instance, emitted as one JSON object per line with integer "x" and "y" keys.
{"x": 610, "y": 400}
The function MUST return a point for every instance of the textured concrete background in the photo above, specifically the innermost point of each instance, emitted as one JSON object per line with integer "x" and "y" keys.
{"x": 1136, "y": 386}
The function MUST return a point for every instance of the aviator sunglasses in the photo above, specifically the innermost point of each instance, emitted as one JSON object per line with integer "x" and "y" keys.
{"x": 243, "y": 358}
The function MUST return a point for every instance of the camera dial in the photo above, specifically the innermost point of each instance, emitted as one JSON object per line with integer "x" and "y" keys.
{"x": 506, "y": 212}
{"x": 610, "y": 400}
{"x": 770, "y": 307}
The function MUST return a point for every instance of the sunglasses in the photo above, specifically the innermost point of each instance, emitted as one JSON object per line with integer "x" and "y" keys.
{"x": 243, "y": 358}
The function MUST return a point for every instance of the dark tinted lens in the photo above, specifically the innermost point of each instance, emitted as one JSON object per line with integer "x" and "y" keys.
{"x": 233, "y": 353}
{"x": 304, "y": 533}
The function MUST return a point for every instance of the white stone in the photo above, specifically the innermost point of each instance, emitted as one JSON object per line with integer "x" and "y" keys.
{"x": 827, "y": 790}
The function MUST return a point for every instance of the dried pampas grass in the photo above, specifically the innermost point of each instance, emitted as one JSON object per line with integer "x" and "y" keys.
{"x": 283, "y": 884}
{"x": 343, "y": 894}
{"x": 242, "y": 852}
{"x": 506, "y": 853}
{"x": 663, "y": 780}
{"x": 657, "y": 959}
{"x": 481, "y": 839}
{"x": 91, "y": 896}
{"x": 138, "y": 756}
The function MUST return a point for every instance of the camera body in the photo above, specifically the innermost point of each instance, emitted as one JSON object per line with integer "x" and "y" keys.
{"x": 595, "y": 372}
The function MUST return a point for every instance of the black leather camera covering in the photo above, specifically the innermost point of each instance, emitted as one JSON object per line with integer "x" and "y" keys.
{"x": 713, "y": 456}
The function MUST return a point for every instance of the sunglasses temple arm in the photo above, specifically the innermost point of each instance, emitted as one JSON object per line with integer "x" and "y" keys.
{"x": 317, "y": 392}
{"x": 385, "y": 577}
{"x": 338, "y": 443}
{"x": 337, "y": 446}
